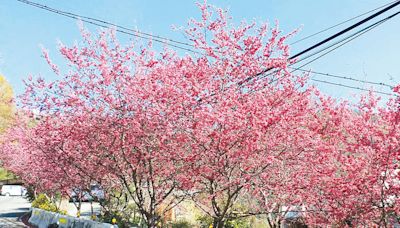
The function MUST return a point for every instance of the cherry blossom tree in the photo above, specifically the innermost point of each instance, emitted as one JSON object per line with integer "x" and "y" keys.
{"x": 247, "y": 122}
{"x": 355, "y": 179}
{"x": 37, "y": 160}
{"x": 208, "y": 124}
{"x": 113, "y": 117}
{"x": 228, "y": 122}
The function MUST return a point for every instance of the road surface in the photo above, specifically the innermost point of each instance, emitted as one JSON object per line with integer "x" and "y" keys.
{"x": 11, "y": 208}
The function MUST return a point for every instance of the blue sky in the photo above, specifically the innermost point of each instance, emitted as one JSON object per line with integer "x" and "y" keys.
{"x": 373, "y": 56}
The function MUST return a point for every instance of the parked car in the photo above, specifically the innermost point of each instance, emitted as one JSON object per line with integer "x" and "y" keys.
{"x": 13, "y": 190}
{"x": 96, "y": 194}
{"x": 77, "y": 194}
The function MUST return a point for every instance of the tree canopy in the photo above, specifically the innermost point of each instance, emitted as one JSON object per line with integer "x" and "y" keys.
{"x": 6, "y": 103}
{"x": 209, "y": 127}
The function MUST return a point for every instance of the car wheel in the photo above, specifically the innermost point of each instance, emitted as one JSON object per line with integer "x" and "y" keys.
{"x": 8, "y": 194}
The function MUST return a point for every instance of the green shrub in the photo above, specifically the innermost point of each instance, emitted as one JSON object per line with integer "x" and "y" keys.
{"x": 5, "y": 175}
{"x": 205, "y": 222}
{"x": 117, "y": 205}
{"x": 181, "y": 224}
{"x": 44, "y": 203}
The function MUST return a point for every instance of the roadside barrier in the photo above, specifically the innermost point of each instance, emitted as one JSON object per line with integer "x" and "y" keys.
{"x": 35, "y": 216}
{"x": 42, "y": 219}
{"x": 64, "y": 221}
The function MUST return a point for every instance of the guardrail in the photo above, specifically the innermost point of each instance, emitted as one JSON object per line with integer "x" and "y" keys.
{"x": 42, "y": 219}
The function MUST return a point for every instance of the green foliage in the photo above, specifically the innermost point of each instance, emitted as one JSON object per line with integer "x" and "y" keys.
{"x": 5, "y": 175}
{"x": 205, "y": 221}
{"x": 43, "y": 202}
{"x": 6, "y": 106}
{"x": 123, "y": 220}
{"x": 181, "y": 224}
{"x": 118, "y": 205}
{"x": 6, "y": 116}
{"x": 238, "y": 223}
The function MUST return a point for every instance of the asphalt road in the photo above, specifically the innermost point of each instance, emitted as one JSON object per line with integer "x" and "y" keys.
{"x": 11, "y": 208}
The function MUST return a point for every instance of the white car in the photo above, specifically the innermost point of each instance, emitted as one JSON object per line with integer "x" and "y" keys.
{"x": 13, "y": 190}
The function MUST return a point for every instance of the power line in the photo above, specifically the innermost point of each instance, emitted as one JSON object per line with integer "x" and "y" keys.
{"x": 344, "y": 77}
{"x": 352, "y": 87}
{"x": 163, "y": 40}
{"x": 350, "y": 38}
{"x": 331, "y": 47}
{"x": 333, "y": 37}
{"x": 343, "y": 42}
{"x": 339, "y": 84}
{"x": 340, "y": 23}
{"x": 103, "y": 22}
{"x": 121, "y": 29}
{"x": 346, "y": 40}
{"x": 346, "y": 30}
{"x": 356, "y": 34}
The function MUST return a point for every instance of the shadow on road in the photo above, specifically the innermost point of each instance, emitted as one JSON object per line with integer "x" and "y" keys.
{"x": 12, "y": 214}
{"x": 25, "y": 209}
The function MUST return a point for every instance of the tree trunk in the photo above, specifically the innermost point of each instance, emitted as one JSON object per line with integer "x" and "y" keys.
{"x": 151, "y": 220}
{"x": 78, "y": 213}
{"x": 91, "y": 210}
{"x": 218, "y": 223}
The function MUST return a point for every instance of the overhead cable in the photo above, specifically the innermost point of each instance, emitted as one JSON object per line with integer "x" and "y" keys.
{"x": 118, "y": 28}
{"x": 352, "y": 87}
{"x": 396, "y": 3}
{"x": 347, "y": 40}
{"x": 327, "y": 50}
{"x": 176, "y": 44}
{"x": 341, "y": 23}
{"x": 344, "y": 77}
{"x": 351, "y": 37}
